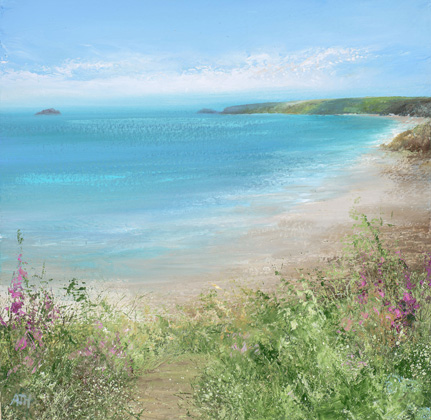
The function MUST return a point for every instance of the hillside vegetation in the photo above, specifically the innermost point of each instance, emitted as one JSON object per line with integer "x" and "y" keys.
{"x": 397, "y": 105}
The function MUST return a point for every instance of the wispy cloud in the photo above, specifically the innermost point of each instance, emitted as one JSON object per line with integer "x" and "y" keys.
{"x": 136, "y": 74}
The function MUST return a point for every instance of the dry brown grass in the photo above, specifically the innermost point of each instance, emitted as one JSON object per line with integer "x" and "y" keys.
{"x": 417, "y": 139}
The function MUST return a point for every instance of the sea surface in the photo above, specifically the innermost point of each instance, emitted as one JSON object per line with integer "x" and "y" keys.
{"x": 121, "y": 193}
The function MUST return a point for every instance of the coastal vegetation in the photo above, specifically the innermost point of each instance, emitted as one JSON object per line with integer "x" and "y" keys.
{"x": 418, "y": 139}
{"x": 351, "y": 341}
{"x": 64, "y": 355}
{"x": 396, "y": 105}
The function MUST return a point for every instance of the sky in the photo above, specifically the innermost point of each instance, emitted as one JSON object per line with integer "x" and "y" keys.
{"x": 132, "y": 51}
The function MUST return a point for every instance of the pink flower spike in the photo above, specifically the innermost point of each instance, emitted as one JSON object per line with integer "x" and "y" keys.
{"x": 15, "y": 294}
{"x": 21, "y": 344}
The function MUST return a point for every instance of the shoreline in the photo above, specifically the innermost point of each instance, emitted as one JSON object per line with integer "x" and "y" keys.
{"x": 304, "y": 236}
{"x": 400, "y": 118}
{"x": 389, "y": 186}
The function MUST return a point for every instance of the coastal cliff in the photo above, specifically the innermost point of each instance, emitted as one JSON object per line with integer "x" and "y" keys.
{"x": 395, "y": 105}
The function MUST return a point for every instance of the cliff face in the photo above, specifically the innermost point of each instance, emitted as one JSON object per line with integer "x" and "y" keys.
{"x": 418, "y": 107}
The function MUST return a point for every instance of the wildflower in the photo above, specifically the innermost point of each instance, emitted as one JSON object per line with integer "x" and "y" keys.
{"x": 409, "y": 284}
{"x": 363, "y": 298}
{"x": 22, "y": 272}
{"x": 21, "y": 344}
{"x": 16, "y": 306}
{"x": 348, "y": 326}
{"x": 410, "y": 301}
{"x": 15, "y": 293}
{"x": 28, "y": 361}
{"x": 13, "y": 370}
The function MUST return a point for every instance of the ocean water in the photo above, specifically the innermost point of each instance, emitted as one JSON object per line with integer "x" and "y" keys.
{"x": 113, "y": 193}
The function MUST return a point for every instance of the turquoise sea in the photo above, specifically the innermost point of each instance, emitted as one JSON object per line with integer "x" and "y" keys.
{"x": 109, "y": 193}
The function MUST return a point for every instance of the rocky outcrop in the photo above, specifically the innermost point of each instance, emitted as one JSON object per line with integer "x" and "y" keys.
{"x": 417, "y": 139}
{"x": 207, "y": 111}
{"x": 49, "y": 111}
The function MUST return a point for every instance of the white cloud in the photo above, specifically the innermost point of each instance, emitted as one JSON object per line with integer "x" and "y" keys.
{"x": 138, "y": 75}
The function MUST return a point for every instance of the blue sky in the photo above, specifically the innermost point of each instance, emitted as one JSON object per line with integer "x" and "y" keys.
{"x": 95, "y": 51}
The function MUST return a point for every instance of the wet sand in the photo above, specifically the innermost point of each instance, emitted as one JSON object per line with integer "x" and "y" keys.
{"x": 393, "y": 186}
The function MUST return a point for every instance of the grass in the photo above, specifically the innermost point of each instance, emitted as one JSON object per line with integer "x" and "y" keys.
{"x": 350, "y": 342}
{"x": 73, "y": 353}
{"x": 398, "y": 105}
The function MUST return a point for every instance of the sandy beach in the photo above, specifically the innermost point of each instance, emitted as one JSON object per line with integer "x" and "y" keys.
{"x": 393, "y": 186}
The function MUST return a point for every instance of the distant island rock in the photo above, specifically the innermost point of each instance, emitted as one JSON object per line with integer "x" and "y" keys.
{"x": 49, "y": 111}
{"x": 207, "y": 111}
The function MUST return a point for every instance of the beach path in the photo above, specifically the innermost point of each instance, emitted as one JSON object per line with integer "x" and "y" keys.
{"x": 165, "y": 391}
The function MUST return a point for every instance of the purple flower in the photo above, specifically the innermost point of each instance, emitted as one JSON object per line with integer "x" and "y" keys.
{"x": 408, "y": 298}
{"x": 15, "y": 294}
{"x": 16, "y": 306}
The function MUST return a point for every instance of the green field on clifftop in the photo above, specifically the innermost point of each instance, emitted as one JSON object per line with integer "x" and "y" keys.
{"x": 397, "y": 105}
